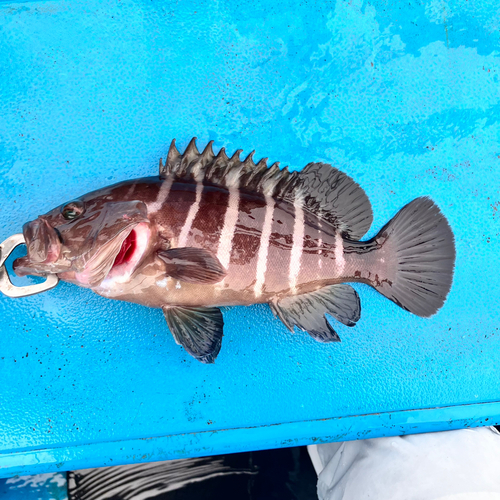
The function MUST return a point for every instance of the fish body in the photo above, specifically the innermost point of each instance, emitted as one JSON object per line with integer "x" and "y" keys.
{"x": 266, "y": 250}
{"x": 214, "y": 231}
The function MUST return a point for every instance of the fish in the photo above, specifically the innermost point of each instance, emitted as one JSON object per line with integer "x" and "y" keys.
{"x": 211, "y": 231}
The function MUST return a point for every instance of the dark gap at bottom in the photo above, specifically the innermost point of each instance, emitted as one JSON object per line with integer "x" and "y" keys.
{"x": 280, "y": 474}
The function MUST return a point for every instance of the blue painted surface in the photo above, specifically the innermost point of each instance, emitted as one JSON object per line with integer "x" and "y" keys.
{"x": 47, "y": 486}
{"x": 249, "y": 438}
{"x": 404, "y": 98}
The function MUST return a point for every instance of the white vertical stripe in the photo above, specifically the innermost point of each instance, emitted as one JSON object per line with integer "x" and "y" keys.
{"x": 264, "y": 246}
{"x": 193, "y": 210}
{"x": 227, "y": 233}
{"x": 320, "y": 257}
{"x": 320, "y": 244}
{"x": 162, "y": 195}
{"x": 131, "y": 189}
{"x": 339, "y": 254}
{"x": 298, "y": 244}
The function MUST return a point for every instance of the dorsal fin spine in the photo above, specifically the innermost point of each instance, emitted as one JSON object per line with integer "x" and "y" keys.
{"x": 173, "y": 152}
{"x": 190, "y": 155}
{"x": 208, "y": 152}
{"x": 270, "y": 179}
{"x": 233, "y": 176}
{"x": 191, "y": 149}
{"x": 222, "y": 156}
{"x": 248, "y": 162}
{"x": 236, "y": 156}
{"x": 262, "y": 163}
{"x": 173, "y": 156}
{"x": 196, "y": 170}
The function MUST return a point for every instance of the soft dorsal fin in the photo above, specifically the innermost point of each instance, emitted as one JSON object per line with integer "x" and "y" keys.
{"x": 334, "y": 196}
{"x": 320, "y": 188}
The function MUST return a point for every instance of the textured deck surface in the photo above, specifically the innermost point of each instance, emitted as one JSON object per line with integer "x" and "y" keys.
{"x": 403, "y": 97}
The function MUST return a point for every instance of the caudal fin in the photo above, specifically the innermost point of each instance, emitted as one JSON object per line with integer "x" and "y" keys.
{"x": 416, "y": 257}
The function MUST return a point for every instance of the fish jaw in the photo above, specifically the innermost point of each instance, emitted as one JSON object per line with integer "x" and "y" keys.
{"x": 44, "y": 250}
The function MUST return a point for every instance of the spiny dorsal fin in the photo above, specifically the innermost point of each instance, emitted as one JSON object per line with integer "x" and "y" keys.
{"x": 248, "y": 162}
{"x": 255, "y": 174}
{"x": 236, "y": 157}
{"x": 262, "y": 163}
{"x": 222, "y": 156}
{"x": 320, "y": 188}
{"x": 190, "y": 155}
{"x": 208, "y": 153}
{"x": 191, "y": 150}
{"x": 172, "y": 159}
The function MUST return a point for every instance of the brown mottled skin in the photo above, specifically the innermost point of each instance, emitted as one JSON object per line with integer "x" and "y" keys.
{"x": 166, "y": 225}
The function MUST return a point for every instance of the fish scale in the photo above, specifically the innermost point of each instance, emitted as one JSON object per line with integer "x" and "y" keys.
{"x": 213, "y": 231}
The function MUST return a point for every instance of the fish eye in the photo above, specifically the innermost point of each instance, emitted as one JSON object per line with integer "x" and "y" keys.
{"x": 72, "y": 210}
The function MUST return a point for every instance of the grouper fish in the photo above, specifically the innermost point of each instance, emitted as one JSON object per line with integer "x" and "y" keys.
{"x": 214, "y": 231}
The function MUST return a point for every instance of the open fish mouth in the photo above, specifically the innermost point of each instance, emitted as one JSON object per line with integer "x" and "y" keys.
{"x": 117, "y": 260}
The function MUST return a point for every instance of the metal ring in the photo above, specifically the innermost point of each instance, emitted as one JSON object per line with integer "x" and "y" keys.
{"x": 6, "y": 286}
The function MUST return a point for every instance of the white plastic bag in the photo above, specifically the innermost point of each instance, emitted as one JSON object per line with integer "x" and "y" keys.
{"x": 453, "y": 465}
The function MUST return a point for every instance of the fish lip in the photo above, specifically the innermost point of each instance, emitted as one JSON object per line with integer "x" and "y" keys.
{"x": 43, "y": 245}
{"x": 86, "y": 278}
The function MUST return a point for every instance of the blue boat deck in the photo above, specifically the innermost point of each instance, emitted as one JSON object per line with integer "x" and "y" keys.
{"x": 403, "y": 98}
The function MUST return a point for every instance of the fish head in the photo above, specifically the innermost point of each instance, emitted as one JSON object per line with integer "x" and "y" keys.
{"x": 87, "y": 240}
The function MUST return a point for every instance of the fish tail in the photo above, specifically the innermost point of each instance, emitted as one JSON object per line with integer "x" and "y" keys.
{"x": 412, "y": 258}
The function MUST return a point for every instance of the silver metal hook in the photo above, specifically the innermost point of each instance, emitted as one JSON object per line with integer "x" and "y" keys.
{"x": 6, "y": 286}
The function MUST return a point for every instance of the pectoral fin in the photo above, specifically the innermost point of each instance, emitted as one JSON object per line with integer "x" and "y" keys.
{"x": 197, "y": 329}
{"x": 307, "y": 311}
{"x": 192, "y": 265}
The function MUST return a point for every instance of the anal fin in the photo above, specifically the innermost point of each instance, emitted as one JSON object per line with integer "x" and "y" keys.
{"x": 197, "y": 329}
{"x": 307, "y": 311}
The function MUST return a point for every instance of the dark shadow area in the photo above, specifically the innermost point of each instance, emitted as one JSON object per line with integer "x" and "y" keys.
{"x": 284, "y": 474}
